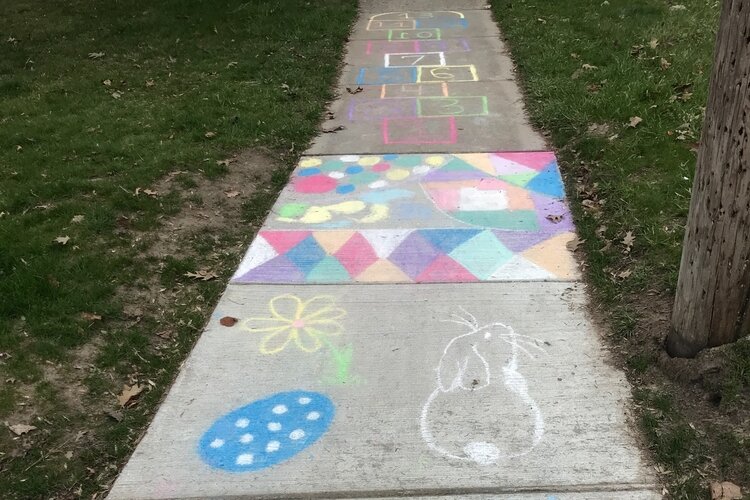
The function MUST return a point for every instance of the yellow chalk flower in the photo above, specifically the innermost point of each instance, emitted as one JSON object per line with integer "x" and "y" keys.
{"x": 306, "y": 323}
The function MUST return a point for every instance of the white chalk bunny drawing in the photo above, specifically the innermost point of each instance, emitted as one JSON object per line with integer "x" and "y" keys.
{"x": 476, "y": 371}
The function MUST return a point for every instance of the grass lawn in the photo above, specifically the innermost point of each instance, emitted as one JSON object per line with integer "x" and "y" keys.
{"x": 620, "y": 88}
{"x": 121, "y": 212}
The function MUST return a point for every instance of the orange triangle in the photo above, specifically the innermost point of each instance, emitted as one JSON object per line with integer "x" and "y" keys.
{"x": 480, "y": 161}
{"x": 554, "y": 256}
{"x": 331, "y": 241}
{"x": 383, "y": 271}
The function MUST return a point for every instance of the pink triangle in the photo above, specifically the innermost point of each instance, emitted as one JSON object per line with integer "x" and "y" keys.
{"x": 283, "y": 241}
{"x": 533, "y": 159}
{"x": 445, "y": 270}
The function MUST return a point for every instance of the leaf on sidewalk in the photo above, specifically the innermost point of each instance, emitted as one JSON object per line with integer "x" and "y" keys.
{"x": 228, "y": 321}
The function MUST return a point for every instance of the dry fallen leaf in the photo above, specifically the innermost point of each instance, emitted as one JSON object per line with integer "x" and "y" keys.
{"x": 355, "y": 91}
{"x": 554, "y": 218}
{"x": 224, "y": 163}
{"x": 202, "y": 274}
{"x": 573, "y": 244}
{"x": 231, "y": 194}
{"x": 150, "y": 83}
{"x": 150, "y": 192}
{"x": 624, "y": 274}
{"x": 87, "y": 316}
{"x": 77, "y": 219}
{"x": 128, "y": 393}
{"x": 725, "y": 491}
{"x": 653, "y": 43}
{"x": 628, "y": 241}
{"x": 116, "y": 94}
{"x": 228, "y": 321}
{"x": 634, "y": 121}
{"x": 209, "y": 135}
{"x": 107, "y": 82}
{"x": 588, "y": 66}
{"x": 664, "y": 64}
{"x": 333, "y": 130}
{"x": 21, "y": 429}
{"x": 96, "y": 55}
{"x": 63, "y": 240}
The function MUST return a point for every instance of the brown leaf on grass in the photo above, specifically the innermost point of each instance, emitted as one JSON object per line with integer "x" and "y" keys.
{"x": 224, "y": 163}
{"x": 653, "y": 43}
{"x": 664, "y": 64}
{"x": 598, "y": 129}
{"x": 62, "y": 240}
{"x": 209, "y": 135}
{"x": 96, "y": 55}
{"x": 21, "y": 429}
{"x": 202, "y": 274}
{"x": 725, "y": 491}
{"x": 116, "y": 94}
{"x": 231, "y": 194}
{"x": 354, "y": 91}
{"x": 634, "y": 121}
{"x": 588, "y": 67}
{"x": 600, "y": 231}
{"x": 114, "y": 415}
{"x": 624, "y": 274}
{"x": 628, "y": 241}
{"x": 228, "y": 321}
{"x": 554, "y": 218}
{"x": 107, "y": 82}
{"x": 591, "y": 206}
{"x": 129, "y": 392}
{"x": 77, "y": 219}
{"x": 87, "y": 316}
{"x": 573, "y": 244}
{"x": 150, "y": 83}
{"x": 149, "y": 192}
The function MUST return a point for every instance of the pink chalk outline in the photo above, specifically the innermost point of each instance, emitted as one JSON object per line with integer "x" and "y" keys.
{"x": 418, "y": 122}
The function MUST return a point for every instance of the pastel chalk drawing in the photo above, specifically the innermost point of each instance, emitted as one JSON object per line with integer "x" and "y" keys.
{"x": 267, "y": 431}
{"x": 309, "y": 325}
{"x": 477, "y": 369}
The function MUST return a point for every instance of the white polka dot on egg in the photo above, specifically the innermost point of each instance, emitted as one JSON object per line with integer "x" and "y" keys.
{"x": 274, "y": 426}
{"x": 245, "y": 459}
{"x": 242, "y": 423}
{"x": 279, "y": 409}
{"x": 304, "y": 401}
{"x": 336, "y": 175}
{"x": 313, "y": 415}
{"x": 217, "y": 443}
{"x": 272, "y": 446}
{"x": 297, "y": 434}
{"x": 246, "y": 438}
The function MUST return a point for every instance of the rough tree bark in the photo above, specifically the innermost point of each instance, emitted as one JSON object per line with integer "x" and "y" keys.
{"x": 713, "y": 290}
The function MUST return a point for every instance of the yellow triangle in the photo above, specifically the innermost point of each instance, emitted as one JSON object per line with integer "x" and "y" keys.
{"x": 480, "y": 161}
{"x": 554, "y": 256}
{"x": 331, "y": 241}
{"x": 383, "y": 271}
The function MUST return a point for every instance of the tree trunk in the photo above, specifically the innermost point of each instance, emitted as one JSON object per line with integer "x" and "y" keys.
{"x": 713, "y": 289}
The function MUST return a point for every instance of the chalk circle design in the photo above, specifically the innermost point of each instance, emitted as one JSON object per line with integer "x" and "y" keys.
{"x": 260, "y": 435}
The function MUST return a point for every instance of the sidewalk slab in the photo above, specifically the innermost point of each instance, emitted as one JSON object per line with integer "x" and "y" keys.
{"x": 429, "y": 117}
{"x": 411, "y": 388}
{"x": 378, "y": 62}
{"x": 424, "y": 25}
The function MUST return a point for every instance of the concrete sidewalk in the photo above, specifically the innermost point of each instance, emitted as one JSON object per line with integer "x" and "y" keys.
{"x": 410, "y": 319}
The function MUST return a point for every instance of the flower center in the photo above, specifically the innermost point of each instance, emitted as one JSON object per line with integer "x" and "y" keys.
{"x": 298, "y": 323}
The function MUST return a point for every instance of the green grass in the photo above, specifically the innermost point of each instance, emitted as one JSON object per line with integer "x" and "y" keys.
{"x": 587, "y": 68}
{"x": 97, "y": 100}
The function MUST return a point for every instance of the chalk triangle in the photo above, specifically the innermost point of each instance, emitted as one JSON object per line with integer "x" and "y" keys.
{"x": 457, "y": 165}
{"x": 384, "y": 241}
{"x": 520, "y": 269}
{"x": 331, "y": 241}
{"x": 538, "y": 160}
{"x": 554, "y": 256}
{"x": 448, "y": 239}
{"x": 277, "y": 270}
{"x": 282, "y": 241}
{"x": 445, "y": 270}
{"x": 260, "y": 252}
{"x": 328, "y": 270}
{"x": 519, "y": 179}
{"x": 548, "y": 182}
{"x": 480, "y": 161}
{"x": 383, "y": 271}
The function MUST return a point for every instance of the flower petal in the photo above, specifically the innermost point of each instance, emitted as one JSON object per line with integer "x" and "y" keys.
{"x": 324, "y": 328}
{"x": 275, "y": 342}
{"x": 322, "y": 306}
{"x": 260, "y": 325}
{"x": 306, "y": 341}
{"x": 286, "y": 307}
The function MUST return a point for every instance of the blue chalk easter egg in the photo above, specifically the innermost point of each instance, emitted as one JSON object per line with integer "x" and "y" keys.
{"x": 267, "y": 431}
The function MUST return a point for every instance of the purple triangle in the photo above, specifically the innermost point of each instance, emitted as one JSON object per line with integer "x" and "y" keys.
{"x": 277, "y": 270}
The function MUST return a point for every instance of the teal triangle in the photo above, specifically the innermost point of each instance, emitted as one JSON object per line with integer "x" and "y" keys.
{"x": 328, "y": 270}
{"x": 407, "y": 161}
{"x": 448, "y": 239}
{"x": 548, "y": 182}
{"x": 482, "y": 255}
{"x": 456, "y": 165}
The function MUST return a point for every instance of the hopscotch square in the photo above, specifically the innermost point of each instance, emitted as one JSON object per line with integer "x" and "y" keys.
{"x": 463, "y": 73}
{"x": 381, "y": 76}
{"x": 433, "y": 130}
{"x": 452, "y": 106}
{"x": 374, "y": 110}
{"x": 426, "y": 34}
{"x": 389, "y": 24}
{"x": 432, "y": 89}
{"x": 407, "y": 59}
